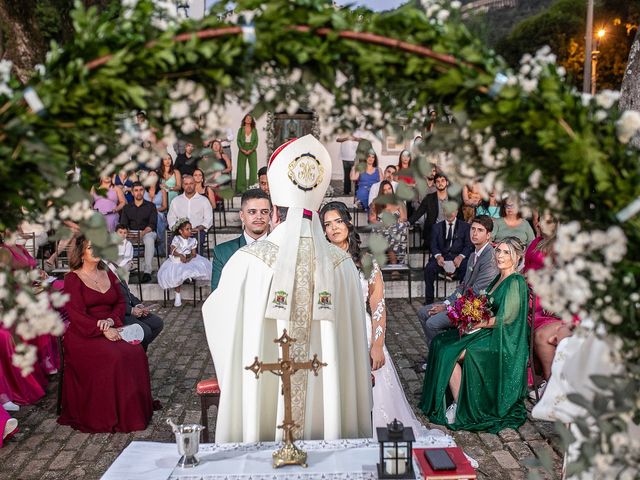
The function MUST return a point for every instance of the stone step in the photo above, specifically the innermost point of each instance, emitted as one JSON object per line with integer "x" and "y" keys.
{"x": 394, "y": 288}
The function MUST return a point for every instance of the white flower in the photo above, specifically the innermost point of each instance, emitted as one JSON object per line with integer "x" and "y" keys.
{"x": 529, "y": 85}
{"x": 456, "y": 4}
{"x": 628, "y": 125}
{"x": 534, "y": 178}
{"x": 179, "y": 110}
{"x": 600, "y": 115}
{"x": 443, "y": 15}
{"x": 551, "y": 195}
{"x": 586, "y": 98}
{"x": 607, "y": 98}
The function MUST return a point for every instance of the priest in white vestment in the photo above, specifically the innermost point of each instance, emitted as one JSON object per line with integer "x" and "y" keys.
{"x": 298, "y": 281}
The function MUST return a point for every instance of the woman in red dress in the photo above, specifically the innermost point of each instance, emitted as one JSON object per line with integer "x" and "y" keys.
{"x": 106, "y": 383}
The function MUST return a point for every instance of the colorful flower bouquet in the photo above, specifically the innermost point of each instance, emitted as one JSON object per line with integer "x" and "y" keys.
{"x": 468, "y": 311}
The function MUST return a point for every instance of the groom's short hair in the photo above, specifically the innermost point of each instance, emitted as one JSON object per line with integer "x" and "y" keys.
{"x": 253, "y": 194}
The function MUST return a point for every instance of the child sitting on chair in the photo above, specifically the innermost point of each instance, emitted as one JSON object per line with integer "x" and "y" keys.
{"x": 183, "y": 263}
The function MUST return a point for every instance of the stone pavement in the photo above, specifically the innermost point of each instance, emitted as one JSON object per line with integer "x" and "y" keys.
{"x": 179, "y": 358}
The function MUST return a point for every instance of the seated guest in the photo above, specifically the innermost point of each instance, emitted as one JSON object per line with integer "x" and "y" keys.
{"x": 432, "y": 207}
{"x": 141, "y": 215}
{"x": 151, "y": 324}
{"x": 485, "y": 370}
{"x": 8, "y": 426}
{"x": 255, "y": 210}
{"x": 108, "y": 199}
{"x": 223, "y": 163}
{"x": 450, "y": 242}
{"x": 481, "y": 269}
{"x": 183, "y": 262}
{"x": 263, "y": 181}
{"x": 404, "y": 168}
{"x": 471, "y": 198}
{"x": 193, "y": 206}
{"x": 389, "y": 175}
{"x": 186, "y": 162}
{"x": 16, "y": 389}
{"x": 40, "y": 235}
{"x": 489, "y": 207}
{"x": 366, "y": 178}
{"x": 125, "y": 180}
{"x": 160, "y": 198}
{"x": 395, "y": 234}
{"x": 203, "y": 189}
{"x": 125, "y": 252}
{"x": 47, "y": 345}
{"x": 170, "y": 179}
{"x": 106, "y": 383}
{"x": 549, "y": 329}
{"x": 511, "y": 223}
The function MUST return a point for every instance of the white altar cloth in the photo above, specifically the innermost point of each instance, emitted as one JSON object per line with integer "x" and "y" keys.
{"x": 327, "y": 460}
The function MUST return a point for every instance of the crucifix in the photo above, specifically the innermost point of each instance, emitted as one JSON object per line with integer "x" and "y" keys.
{"x": 285, "y": 367}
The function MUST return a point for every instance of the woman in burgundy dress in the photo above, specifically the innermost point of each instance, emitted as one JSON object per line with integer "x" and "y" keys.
{"x": 106, "y": 383}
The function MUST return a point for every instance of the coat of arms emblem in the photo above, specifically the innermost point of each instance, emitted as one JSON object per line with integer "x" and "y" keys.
{"x": 306, "y": 172}
{"x": 280, "y": 299}
{"x": 324, "y": 300}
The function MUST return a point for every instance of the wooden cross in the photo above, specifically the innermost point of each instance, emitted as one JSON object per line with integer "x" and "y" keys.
{"x": 285, "y": 367}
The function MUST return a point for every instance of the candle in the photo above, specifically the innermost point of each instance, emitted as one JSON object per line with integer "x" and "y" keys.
{"x": 393, "y": 466}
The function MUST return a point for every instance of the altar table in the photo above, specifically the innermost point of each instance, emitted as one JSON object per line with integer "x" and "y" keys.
{"x": 327, "y": 460}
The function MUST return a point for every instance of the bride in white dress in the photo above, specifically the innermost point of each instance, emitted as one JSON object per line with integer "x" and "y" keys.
{"x": 389, "y": 401}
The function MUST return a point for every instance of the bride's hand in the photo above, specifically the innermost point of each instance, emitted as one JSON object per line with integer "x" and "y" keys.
{"x": 377, "y": 357}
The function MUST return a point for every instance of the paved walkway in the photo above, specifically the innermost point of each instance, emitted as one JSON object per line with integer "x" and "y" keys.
{"x": 179, "y": 358}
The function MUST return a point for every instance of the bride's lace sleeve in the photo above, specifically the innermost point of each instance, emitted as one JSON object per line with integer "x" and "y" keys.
{"x": 377, "y": 305}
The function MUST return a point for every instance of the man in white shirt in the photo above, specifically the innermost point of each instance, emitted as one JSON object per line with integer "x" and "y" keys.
{"x": 389, "y": 174}
{"x": 193, "y": 206}
{"x": 348, "y": 149}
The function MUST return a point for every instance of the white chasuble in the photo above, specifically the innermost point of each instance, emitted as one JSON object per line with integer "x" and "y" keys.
{"x": 335, "y": 404}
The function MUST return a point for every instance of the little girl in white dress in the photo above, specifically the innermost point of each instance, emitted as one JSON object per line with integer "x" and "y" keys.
{"x": 183, "y": 262}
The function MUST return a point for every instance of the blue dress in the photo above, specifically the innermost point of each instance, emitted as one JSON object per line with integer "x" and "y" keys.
{"x": 365, "y": 182}
{"x": 127, "y": 183}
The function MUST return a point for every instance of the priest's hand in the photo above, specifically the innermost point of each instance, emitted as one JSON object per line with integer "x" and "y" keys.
{"x": 377, "y": 357}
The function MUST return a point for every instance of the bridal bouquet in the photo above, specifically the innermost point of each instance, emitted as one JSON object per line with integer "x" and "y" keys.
{"x": 468, "y": 311}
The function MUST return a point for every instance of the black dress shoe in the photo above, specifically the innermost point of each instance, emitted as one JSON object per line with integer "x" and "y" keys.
{"x": 146, "y": 278}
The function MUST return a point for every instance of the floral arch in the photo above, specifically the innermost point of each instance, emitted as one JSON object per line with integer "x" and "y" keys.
{"x": 526, "y": 131}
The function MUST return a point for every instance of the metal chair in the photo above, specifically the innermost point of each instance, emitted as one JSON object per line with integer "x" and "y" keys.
{"x": 136, "y": 239}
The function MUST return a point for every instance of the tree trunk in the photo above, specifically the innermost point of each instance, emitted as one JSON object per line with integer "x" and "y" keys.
{"x": 630, "y": 92}
{"x": 23, "y": 43}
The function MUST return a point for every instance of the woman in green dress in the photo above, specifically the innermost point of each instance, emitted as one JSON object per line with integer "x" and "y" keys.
{"x": 486, "y": 371}
{"x": 247, "y": 146}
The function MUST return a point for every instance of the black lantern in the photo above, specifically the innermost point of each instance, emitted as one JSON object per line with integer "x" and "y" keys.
{"x": 396, "y": 459}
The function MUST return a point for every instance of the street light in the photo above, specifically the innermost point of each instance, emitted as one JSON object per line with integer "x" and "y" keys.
{"x": 594, "y": 59}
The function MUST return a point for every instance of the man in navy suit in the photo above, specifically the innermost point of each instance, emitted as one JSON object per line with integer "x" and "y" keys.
{"x": 450, "y": 242}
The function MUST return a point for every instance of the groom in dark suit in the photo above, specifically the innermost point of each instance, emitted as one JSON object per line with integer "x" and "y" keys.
{"x": 255, "y": 210}
{"x": 450, "y": 242}
{"x": 480, "y": 271}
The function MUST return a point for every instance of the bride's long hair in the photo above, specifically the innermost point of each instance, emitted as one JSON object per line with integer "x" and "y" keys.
{"x": 353, "y": 238}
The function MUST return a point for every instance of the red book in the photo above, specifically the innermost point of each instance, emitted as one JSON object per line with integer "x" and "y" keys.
{"x": 463, "y": 471}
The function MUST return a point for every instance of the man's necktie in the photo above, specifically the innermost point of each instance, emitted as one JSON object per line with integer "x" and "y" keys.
{"x": 449, "y": 238}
